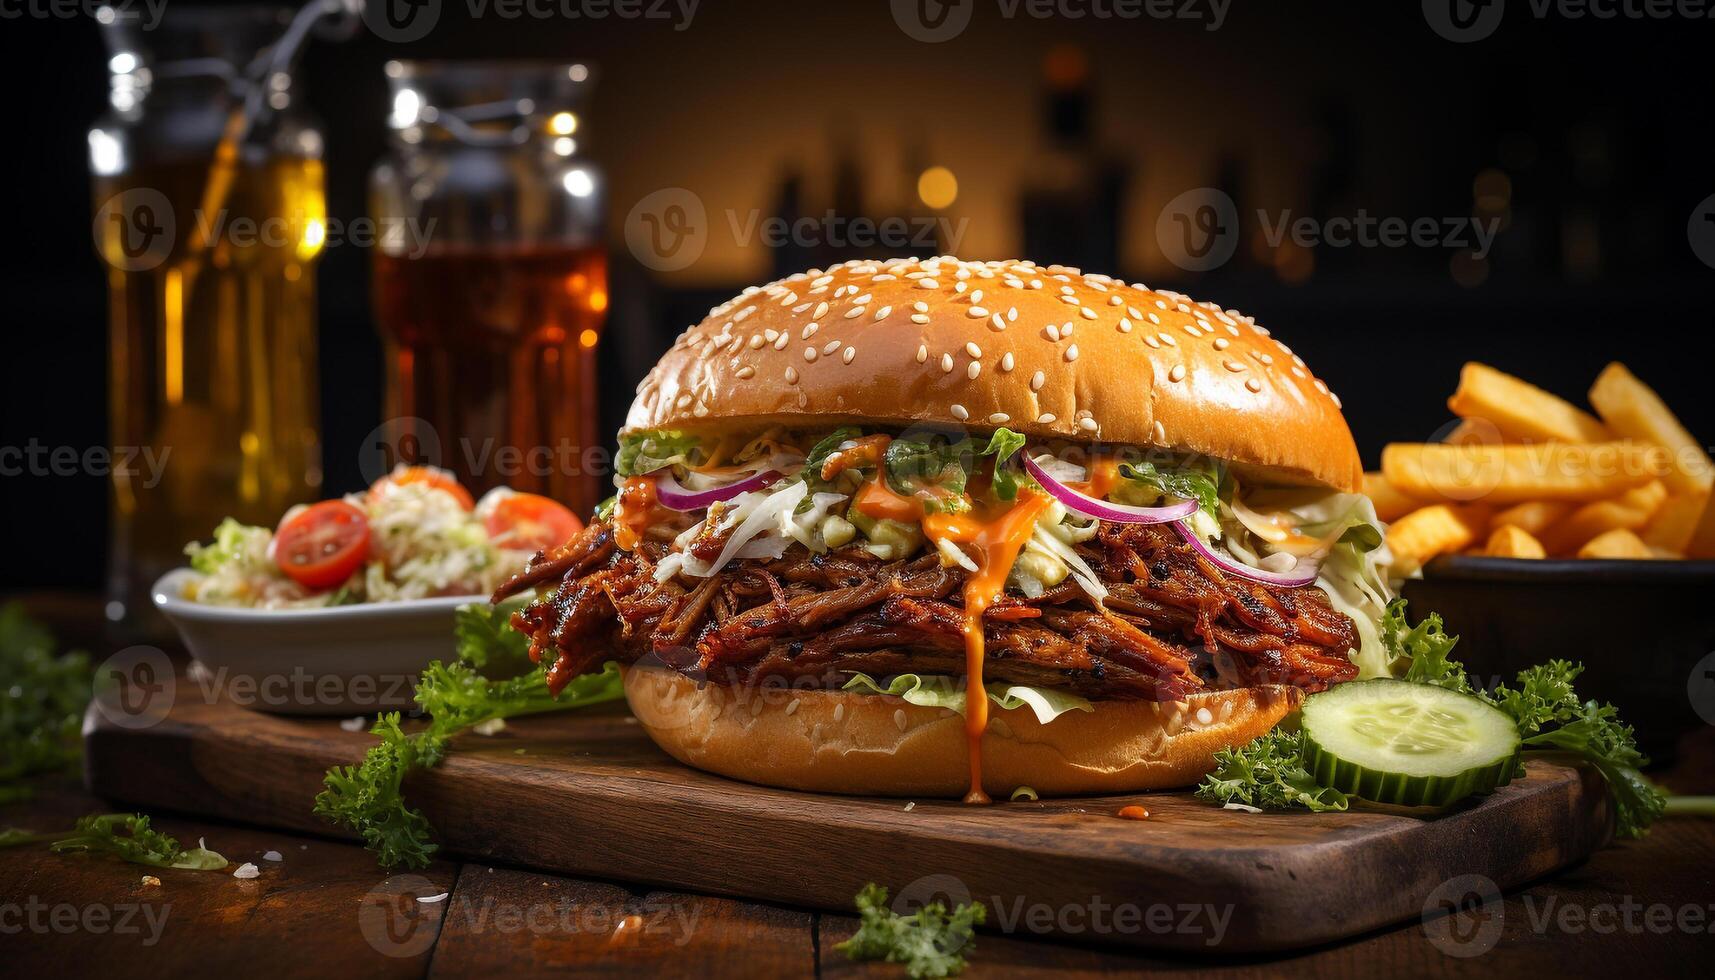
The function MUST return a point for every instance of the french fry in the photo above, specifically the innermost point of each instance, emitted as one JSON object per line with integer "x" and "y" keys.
{"x": 1512, "y": 541}
{"x": 1521, "y": 410}
{"x": 1674, "y": 521}
{"x": 1618, "y": 543}
{"x": 1434, "y": 530}
{"x": 1634, "y": 411}
{"x": 1533, "y": 516}
{"x": 1702, "y": 544}
{"x": 1391, "y": 505}
{"x": 1512, "y": 474}
{"x": 1630, "y": 511}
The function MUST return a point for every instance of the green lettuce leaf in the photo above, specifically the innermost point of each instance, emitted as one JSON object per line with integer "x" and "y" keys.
{"x": 648, "y": 451}
{"x": 233, "y": 543}
{"x": 1194, "y": 482}
{"x": 936, "y": 691}
{"x": 1002, "y": 446}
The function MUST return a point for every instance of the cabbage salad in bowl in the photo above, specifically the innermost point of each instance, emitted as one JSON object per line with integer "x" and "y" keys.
{"x": 415, "y": 534}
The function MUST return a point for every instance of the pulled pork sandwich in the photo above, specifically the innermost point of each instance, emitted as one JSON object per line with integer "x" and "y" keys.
{"x": 951, "y": 528}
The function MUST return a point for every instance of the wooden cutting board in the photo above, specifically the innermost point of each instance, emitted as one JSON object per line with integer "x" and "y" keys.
{"x": 587, "y": 793}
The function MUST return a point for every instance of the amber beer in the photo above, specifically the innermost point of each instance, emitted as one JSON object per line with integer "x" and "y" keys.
{"x": 494, "y": 347}
{"x": 212, "y": 349}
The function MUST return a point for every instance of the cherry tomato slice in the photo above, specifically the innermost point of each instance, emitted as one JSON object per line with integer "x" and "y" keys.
{"x": 531, "y": 522}
{"x": 322, "y": 545}
{"x": 438, "y": 478}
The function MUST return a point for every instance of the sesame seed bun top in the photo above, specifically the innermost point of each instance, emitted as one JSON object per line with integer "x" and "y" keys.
{"x": 1048, "y": 351}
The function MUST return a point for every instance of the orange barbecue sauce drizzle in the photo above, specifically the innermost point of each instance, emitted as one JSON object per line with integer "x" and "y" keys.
{"x": 1104, "y": 473}
{"x": 996, "y": 537}
{"x": 634, "y": 511}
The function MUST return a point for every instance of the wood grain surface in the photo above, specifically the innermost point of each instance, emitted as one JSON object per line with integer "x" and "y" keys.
{"x": 587, "y": 794}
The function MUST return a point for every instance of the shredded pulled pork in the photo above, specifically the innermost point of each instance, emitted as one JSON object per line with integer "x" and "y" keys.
{"x": 1172, "y": 624}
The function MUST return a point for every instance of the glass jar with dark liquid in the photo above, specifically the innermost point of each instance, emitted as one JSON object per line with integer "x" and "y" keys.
{"x": 491, "y": 278}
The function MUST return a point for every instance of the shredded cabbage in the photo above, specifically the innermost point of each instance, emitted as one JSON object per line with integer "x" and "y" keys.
{"x": 937, "y": 691}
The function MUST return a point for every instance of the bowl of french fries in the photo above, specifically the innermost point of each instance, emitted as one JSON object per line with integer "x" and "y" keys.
{"x": 1539, "y": 528}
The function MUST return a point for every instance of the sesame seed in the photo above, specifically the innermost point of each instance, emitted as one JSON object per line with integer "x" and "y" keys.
{"x": 809, "y": 353}
{"x": 1159, "y": 431}
{"x": 999, "y": 418}
{"x": 1222, "y": 343}
{"x": 946, "y": 364}
{"x": 781, "y": 341}
{"x": 1262, "y": 356}
{"x": 959, "y": 287}
{"x": 848, "y": 354}
{"x": 809, "y": 330}
{"x": 821, "y": 311}
{"x": 922, "y": 353}
{"x": 1037, "y": 380}
{"x": 791, "y": 375}
{"x": 1336, "y": 400}
{"x": 976, "y": 312}
{"x": 919, "y": 318}
{"x": 1006, "y": 361}
{"x": 755, "y": 341}
{"x": 1232, "y": 365}
{"x": 1035, "y": 284}
{"x": 1088, "y": 425}
{"x": 973, "y": 369}
{"x": 920, "y": 306}
{"x": 1298, "y": 372}
{"x": 745, "y": 372}
{"x": 831, "y": 346}
{"x": 821, "y": 280}
{"x": 1155, "y": 319}
{"x": 959, "y": 412}
{"x": 1087, "y": 313}
{"x": 854, "y": 312}
{"x": 861, "y": 300}
{"x": 1320, "y": 386}
{"x": 1116, "y": 300}
{"x": 976, "y": 296}
{"x": 972, "y": 349}
{"x": 770, "y": 335}
{"x": 1072, "y": 353}
{"x": 1167, "y": 339}
{"x": 1051, "y": 332}
{"x": 1253, "y": 384}
{"x": 1177, "y": 373}
{"x": 1045, "y": 418}
{"x": 1065, "y": 329}
{"x": 882, "y": 313}
{"x": 928, "y": 284}
{"x": 998, "y": 322}
{"x": 1132, "y": 312}
{"x": 801, "y": 307}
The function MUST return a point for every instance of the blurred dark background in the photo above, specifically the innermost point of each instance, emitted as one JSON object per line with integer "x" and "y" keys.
{"x": 1588, "y": 140}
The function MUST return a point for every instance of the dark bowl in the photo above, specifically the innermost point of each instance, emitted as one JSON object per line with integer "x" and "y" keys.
{"x": 1645, "y": 630}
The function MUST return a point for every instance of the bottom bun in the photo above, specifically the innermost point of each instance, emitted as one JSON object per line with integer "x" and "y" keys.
{"x": 879, "y": 745}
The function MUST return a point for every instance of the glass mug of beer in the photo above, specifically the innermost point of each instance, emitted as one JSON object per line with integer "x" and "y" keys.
{"x": 210, "y": 214}
{"x": 490, "y": 277}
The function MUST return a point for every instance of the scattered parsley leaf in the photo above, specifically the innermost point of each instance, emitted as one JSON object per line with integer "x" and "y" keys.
{"x": 42, "y": 698}
{"x": 929, "y": 943}
{"x": 368, "y": 798}
{"x": 124, "y": 835}
{"x": 1268, "y": 773}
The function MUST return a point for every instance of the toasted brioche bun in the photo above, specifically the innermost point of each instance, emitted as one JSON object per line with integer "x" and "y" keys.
{"x": 879, "y": 745}
{"x": 1046, "y": 351}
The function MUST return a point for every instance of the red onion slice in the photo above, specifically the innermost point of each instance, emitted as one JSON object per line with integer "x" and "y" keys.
{"x": 1303, "y": 574}
{"x": 675, "y": 497}
{"x": 1102, "y": 510}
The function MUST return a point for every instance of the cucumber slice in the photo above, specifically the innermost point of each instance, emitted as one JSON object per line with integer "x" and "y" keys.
{"x": 1407, "y": 744}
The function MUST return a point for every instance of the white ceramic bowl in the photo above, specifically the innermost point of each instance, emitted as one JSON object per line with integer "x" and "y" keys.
{"x": 340, "y": 660}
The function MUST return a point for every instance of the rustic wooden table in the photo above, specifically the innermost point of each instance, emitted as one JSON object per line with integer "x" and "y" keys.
{"x": 323, "y": 910}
